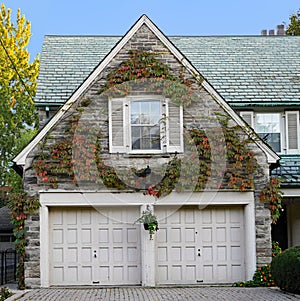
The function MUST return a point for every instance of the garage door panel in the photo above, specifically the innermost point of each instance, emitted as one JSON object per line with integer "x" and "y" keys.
{"x": 132, "y": 235}
{"x": 86, "y": 236}
{"x": 72, "y": 255}
{"x": 200, "y": 245}
{"x": 71, "y": 275}
{"x": 57, "y": 236}
{"x": 175, "y": 235}
{"x": 71, "y": 218}
{"x": 207, "y": 253}
{"x": 161, "y": 236}
{"x": 235, "y": 234}
{"x": 89, "y": 247}
{"x": 221, "y": 234}
{"x": 118, "y": 254}
{"x": 189, "y": 234}
{"x": 87, "y": 274}
{"x": 58, "y": 255}
{"x": 236, "y": 271}
{"x": 208, "y": 274}
{"x": 190, "y": 254}
{"x": 72, "y": 236}
{"x": 103, "y": 235}
{"x": 133, "y": 273}
{"x": 176, "y": 254}
{"x": 117, "y": 235}
{"x": 86, "y": 255}
{"x": 132, "y": 254}
{"x": 103, "y": 254}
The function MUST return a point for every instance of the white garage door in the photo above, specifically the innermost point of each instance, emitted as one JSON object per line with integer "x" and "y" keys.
{"x": 200, "y": 246}
{"x": 89, "y": 246}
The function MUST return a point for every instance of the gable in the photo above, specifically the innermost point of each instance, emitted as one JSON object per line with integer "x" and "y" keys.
{"x": 144, "y": 34}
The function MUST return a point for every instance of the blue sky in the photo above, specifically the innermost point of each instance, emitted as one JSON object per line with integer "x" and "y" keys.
{"x": 115, "y": 17}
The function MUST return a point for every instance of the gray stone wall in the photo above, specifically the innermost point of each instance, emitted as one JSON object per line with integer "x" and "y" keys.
{"x": 97, "y": 111}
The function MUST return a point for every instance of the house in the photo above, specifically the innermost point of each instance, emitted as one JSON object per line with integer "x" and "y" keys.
{"x": 6, "y": 230}
{"x": 146, "y": 122}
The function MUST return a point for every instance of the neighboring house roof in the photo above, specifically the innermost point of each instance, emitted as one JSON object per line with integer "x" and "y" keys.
{"x": 19, "y": 160}
{"x": 242, "y": 68}
{"x": 5, "y": 223}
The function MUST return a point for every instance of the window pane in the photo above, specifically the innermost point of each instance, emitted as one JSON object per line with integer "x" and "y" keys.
{"x": 268, "y": 128}
{"x": 145, "y": 129}
{"x": 135, "y": 137}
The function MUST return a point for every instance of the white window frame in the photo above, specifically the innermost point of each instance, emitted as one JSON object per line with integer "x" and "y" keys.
{"x": 284, "y": 137}
{"x": 161, "y": 123}
{"x": 294, "y": 150}
{"x": 126, "y": 130}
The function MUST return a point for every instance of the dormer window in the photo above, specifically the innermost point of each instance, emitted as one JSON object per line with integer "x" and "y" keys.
{"x": 145, "y": 124}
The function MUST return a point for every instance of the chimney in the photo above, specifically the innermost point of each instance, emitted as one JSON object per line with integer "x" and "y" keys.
{"x": 280, "y": 30}
{"x": 271, "y": 32}
{"x": 264, "y": 32}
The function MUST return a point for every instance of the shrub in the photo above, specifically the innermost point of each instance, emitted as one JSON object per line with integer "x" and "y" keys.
{"x": 262, "y": 275}
{"x": 4, "y": 293}
{"x": 286, "y": 270}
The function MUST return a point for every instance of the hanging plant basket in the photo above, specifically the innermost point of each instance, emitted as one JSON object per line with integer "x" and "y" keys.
{"x": 149, "y": 220}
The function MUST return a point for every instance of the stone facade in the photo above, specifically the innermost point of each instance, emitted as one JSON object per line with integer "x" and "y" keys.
{"x": 97, "y": 110}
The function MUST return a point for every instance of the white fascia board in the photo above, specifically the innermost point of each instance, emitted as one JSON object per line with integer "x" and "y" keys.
{"x": 90, "y": 199}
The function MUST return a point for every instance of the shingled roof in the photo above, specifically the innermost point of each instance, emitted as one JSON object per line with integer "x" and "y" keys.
{"x": 242, "y": 69}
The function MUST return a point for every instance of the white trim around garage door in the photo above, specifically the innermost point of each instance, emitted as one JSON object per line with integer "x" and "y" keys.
{"x": 69, "y": 199}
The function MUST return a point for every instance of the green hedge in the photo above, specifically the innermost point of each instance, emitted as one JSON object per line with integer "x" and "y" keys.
{"x": 285, "y": 269}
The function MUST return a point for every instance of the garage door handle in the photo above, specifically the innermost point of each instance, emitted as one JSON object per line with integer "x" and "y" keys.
{"x": 199, "y": 254}
{"x": 95, "y": 255}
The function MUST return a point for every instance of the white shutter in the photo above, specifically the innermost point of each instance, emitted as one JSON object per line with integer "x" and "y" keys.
{"x": 174, "y": 122}
{"x": 248, "y": 117}
{"x": 292, "y": 131}
{"x": 117, "y": 130}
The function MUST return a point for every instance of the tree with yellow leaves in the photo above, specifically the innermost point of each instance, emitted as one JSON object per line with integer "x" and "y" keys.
{"x": 18, "y": 75}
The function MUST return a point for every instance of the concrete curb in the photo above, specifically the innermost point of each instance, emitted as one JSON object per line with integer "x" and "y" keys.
{"x": 17, "y": 295}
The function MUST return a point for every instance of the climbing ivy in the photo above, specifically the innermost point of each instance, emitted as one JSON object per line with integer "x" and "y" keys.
{"x": 272, "y": 195}
{"x": 55, "y": 160}
{"x": 21, "y": 206}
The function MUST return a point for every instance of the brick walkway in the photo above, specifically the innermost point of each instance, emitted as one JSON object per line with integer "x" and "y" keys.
{"x": 156, "y": 294}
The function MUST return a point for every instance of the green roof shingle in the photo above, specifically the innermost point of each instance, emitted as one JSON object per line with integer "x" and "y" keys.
{"x": 242, "y": 68}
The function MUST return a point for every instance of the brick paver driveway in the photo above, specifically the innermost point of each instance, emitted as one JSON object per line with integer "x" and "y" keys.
{"x": 157, "y": 294}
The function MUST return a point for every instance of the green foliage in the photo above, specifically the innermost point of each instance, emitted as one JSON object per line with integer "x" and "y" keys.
{"x": 149, "y": 220}
{"x": 276, "y": 249}
{"x": 262, "y": 277}
{"x": 17, "y": 87}
{"x": 143, "y": 65}
{"x": 293, "y": 28}
{"x": 272, "y": 195}
{"x": 169, "y": 180}
{"x": 21, "y": 205}
{"x": 5, "y": 293}
{"x": 286, "y": 270}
